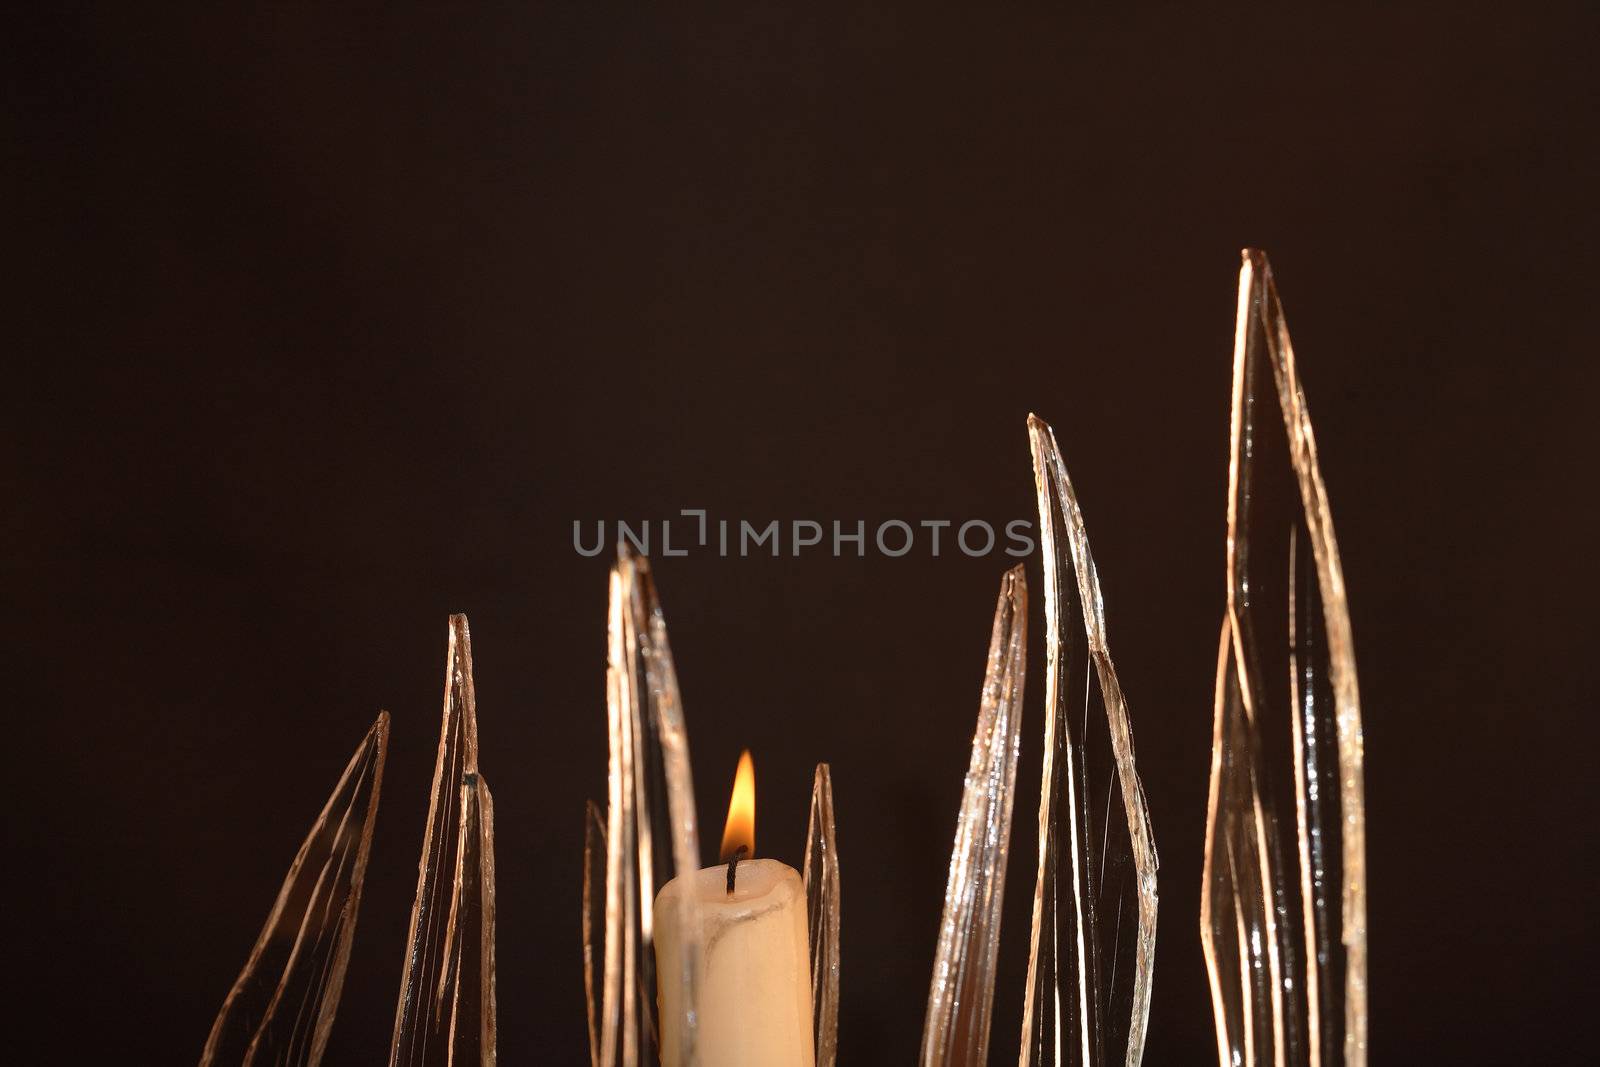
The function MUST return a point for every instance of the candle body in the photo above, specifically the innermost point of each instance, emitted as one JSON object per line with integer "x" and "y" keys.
{"x": 755, "y": 986}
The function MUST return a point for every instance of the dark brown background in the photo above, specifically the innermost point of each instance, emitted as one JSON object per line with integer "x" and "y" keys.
{"x": 322, "y": 326}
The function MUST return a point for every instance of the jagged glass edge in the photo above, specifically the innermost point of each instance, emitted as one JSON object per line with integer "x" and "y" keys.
{"x": 1058, "y": 509}
{"x": 961, "y": 992}
{"x": 643, "y": 708}
{"x": 1258, "y": 296}
{"x": 821, "y": 878}
{"x": 457, "y": 837}
{"x": 320, "y": 901}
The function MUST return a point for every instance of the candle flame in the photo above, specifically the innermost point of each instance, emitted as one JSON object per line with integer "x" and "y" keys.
{"x": 741, "y": 826}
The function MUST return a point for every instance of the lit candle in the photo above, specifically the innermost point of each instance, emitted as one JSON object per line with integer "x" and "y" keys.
{"x": 755, "y": 985}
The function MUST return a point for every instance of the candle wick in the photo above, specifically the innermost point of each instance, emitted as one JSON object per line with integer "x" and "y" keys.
{"x": 733, "y": 865}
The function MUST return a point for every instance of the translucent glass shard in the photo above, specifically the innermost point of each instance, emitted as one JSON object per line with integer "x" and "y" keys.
{"x": 282, "y": 1005}
{"x": 1283, "y": 901}
{"x": 821, "y": 875}
{"x": 651, "y": 832}
{"x": 594, "y": 919}
{"x": 1092, "y": 953}
{"x": 470, "y": 930}
{"x": 961, "y": 994}
{"x": 446, "y": 1011}
{"x": 1241, "y": 909}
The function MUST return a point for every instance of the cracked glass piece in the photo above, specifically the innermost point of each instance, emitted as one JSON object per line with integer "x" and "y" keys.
{"x": 821, "y": 877}
{"x": 961, "y": 994}
{"x": 1092, "y": 952}
{"x": 446, "y": 1011}
{"x": 282, "y": 1005}
{"x": 650, "y": 834}
{"x": 1283, "y": 900}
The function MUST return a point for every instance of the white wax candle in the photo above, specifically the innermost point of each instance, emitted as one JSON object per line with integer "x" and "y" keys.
{"x": 755, "y": 987}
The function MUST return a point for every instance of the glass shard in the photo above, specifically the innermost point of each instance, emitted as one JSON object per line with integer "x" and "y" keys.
{"x": 1092, "y": 952}
{"x": 961, "y": 994}
{"x": 821, "y": 876}
{"x": 651, "y": 830}
{"x": 594, "y": 880}
{"x": 470, "y": 930}
{"x": 446, "y": 1011}
{"x": 1283, "y": 901}
{"x": 282, "y": 1005}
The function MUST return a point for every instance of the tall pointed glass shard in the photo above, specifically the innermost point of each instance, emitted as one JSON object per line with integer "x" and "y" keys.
{"x": 282, "y": 1005}
{"x": 651, "y": 832}
{"x": 1283, "y": 901}
{"x": 1092, "y": 953}
{"x": 961, "y": 995}
{"x": 446, "y": 1012}
{"x": 821, "y": 876}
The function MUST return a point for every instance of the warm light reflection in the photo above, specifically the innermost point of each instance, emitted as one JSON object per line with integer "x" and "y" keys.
{"x": 741, "y": 827}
